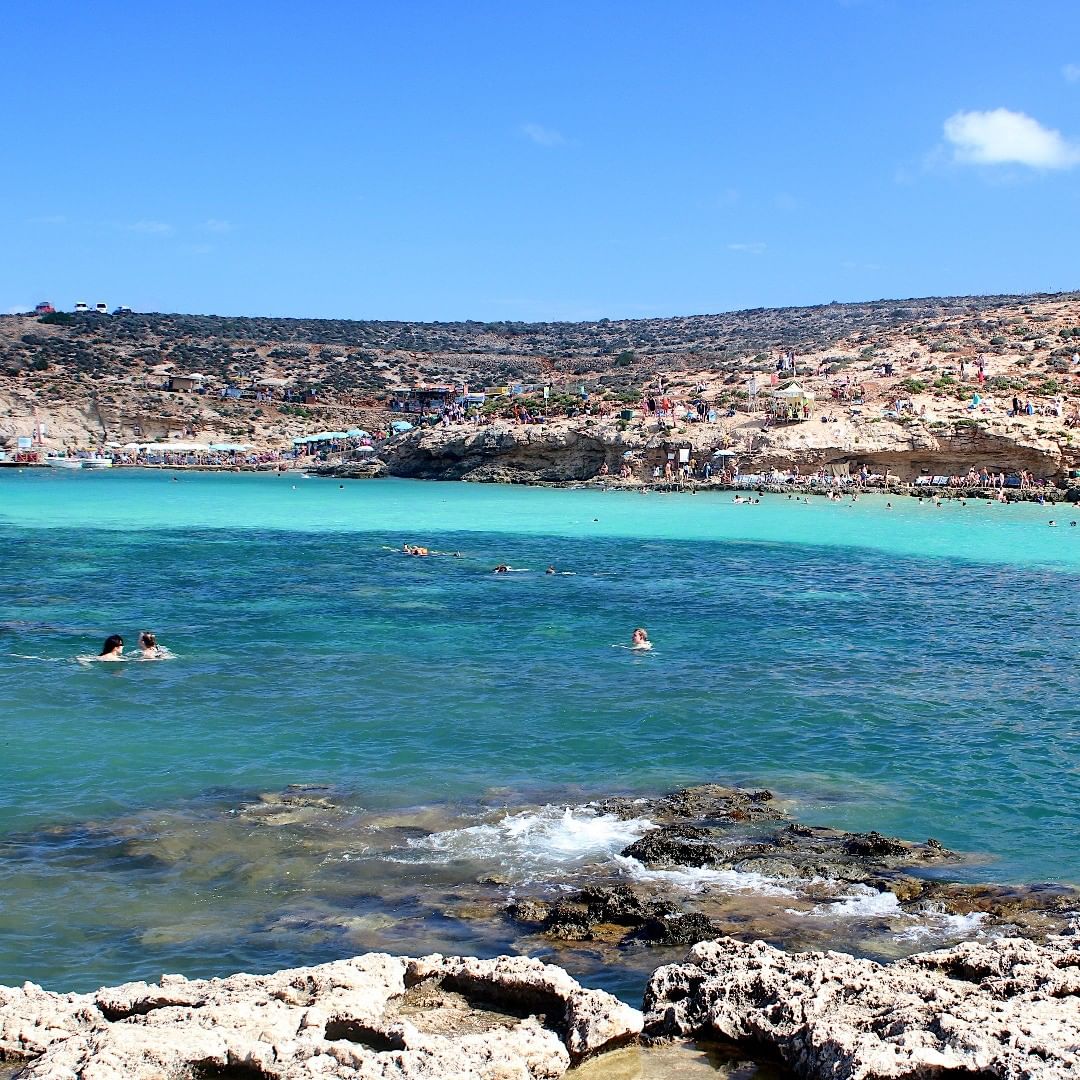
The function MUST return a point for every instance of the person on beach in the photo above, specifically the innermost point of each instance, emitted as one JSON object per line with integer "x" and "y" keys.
{"x": 113, "y": 649}
{"x": 639, "y": 640}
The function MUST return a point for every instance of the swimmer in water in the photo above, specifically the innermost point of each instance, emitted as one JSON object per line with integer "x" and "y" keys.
{"x": 502, "y": 568}
{"x": 113, "y": 649}
{"x": 639, "y": 640}
{"x": 551, "y": 570}
{"x": 149, "y": 649}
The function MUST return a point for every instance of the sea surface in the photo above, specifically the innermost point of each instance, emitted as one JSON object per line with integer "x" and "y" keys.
{"x": 357, "y": 749}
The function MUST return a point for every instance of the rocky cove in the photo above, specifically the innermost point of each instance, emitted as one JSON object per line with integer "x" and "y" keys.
{"x": 763, "y": 899}
{"x": 584, "y": 449}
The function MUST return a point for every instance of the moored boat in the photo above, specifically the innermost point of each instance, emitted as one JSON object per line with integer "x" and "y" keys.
{"x": 95, "y": 461}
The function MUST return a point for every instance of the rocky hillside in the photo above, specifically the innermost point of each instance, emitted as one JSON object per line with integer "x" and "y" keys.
{"x": 96, "y": 377}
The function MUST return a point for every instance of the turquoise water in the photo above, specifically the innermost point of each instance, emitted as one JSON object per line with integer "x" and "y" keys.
{"x": 911, "y": 670}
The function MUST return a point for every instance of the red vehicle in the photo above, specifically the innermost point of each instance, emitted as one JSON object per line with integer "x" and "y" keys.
{"x": 44, "y": 308}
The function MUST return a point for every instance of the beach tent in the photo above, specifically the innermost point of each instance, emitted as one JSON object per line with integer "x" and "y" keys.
{"x": 795, "y": 392}
{"x": 791, "y": 402}
{"x": 321, "y": 436}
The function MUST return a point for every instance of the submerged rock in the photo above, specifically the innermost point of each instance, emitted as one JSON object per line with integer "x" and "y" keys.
{"x": 374, "y": 1016}
{"x": 1008, "y": 1009}
{"x": 704, "y": 803}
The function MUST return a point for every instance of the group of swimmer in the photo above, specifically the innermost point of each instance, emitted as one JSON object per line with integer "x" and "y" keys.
{"x": 149, "y": 649}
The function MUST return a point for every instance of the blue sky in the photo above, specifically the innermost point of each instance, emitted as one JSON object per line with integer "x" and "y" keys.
{"x": 438, "y": 161}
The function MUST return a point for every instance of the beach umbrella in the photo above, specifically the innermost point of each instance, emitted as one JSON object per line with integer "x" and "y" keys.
{"x": 365, "y": 450}
{"x": 401, "y": 425}
{"x": 725, "y": 453}
{"x": 356, "y": 433}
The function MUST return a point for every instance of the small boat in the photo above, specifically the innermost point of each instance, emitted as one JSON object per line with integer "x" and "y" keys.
{"x": 93, "y": 462}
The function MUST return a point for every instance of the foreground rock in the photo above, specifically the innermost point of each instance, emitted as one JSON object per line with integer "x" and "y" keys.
{"x": 373, "y": 1016}
{"x": 1008, "y": 1009}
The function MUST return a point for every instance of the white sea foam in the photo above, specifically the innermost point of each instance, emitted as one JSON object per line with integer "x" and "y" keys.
{"x": 530, "y": 842}
{"x": 862, "y": 903}
{"x": 697, "y": 879}
{"x": 927, "y": 923}
{"x": 942, "y": 925}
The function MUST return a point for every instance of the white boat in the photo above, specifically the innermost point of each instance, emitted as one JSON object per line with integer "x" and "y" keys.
{"x": 93, "y": 462}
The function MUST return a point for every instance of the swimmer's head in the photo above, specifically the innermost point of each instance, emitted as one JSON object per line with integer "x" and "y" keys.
{"x": 639, "y": 634}
{"x": 147, "y": 640}
{"x": 113, "y": 643}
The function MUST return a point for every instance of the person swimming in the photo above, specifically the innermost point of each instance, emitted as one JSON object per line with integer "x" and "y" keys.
{"x": 502, "y": 568}
{"x": 639, "y": 640}
{"x": 149, "y": 649}
{"x": 551, "y": 570}
{"x": 113, "y": 649}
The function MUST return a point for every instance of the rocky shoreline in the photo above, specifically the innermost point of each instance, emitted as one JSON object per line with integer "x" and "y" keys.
{"x": 1002, "y": 1006}
{"x": 1003, "y": 1010}
{"x": 592, "y": 451}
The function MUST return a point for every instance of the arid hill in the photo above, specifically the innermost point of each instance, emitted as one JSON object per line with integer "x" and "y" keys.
{"x": 95, "y": 377}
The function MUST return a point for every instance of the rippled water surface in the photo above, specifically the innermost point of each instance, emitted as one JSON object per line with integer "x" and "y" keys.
{"x": 911, "y": 670}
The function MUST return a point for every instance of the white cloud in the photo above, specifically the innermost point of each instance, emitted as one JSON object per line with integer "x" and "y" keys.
{"x": 217, "y": 225}
{"x": 748, "y": 249}
{"x": 1004, "y": 137}
{"x": 1071, "y": 72}
{"x": 151, "y": 228}
{"x": 541, "y": 135}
